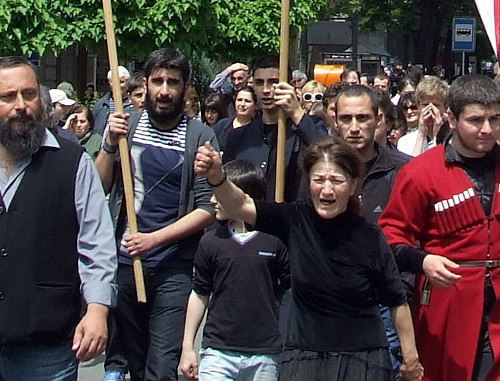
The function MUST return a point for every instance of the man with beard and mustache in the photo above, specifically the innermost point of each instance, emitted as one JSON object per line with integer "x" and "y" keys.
{"x": 173, "y": 208}
{"x": 54, "y": 243}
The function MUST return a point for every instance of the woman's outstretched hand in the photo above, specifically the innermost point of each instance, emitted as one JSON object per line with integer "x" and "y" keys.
{"x": 208, "y": 164}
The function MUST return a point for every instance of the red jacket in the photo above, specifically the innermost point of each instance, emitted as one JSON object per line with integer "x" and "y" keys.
{"x": 434, "y": 203}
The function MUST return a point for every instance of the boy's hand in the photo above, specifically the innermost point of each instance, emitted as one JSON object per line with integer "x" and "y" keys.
{"x": 430, "y": 120}
{"x": 189, "y": 364}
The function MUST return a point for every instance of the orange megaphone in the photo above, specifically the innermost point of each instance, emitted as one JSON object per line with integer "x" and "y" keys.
{"x": 328, "y": 74}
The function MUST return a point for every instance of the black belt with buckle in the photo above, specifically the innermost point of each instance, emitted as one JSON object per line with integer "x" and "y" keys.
{"x": 490, "y": 263}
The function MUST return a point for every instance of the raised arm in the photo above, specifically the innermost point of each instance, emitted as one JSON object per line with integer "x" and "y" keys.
{"x": 236, "y": 203}
{"x": 220, "y": 78}
{"x": 303, "y": 126}
{"x": 429, "y": 124}
{"x": 285, "y": 97}
{"x": 106, "y": 158}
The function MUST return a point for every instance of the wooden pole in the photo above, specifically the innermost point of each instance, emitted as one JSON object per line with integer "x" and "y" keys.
{"x": 124, "y": 154}
{"x": 283, "y": 77}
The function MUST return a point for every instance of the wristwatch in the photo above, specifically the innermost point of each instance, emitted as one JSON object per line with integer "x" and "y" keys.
{"x": 109, "y": 148}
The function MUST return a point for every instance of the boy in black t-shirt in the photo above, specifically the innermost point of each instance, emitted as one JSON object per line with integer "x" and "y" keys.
{"x": 239, "y": 276}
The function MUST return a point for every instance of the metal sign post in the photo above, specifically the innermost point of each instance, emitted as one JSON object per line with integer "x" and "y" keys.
{"x": 464, "y": 37}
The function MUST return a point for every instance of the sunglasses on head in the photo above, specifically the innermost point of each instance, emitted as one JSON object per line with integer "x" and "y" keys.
{"x": 308, "y": 97}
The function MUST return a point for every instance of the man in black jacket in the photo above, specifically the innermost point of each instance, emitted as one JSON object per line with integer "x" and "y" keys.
{"x": 257, "y": 142}
{"x": 357, "y": 117}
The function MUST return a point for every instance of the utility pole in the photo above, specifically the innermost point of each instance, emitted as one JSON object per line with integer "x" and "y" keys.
{"x": 354, "y": 48}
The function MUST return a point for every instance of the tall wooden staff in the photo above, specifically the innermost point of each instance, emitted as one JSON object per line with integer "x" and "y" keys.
{"x": 124, "y": 155}
{"x": 283, "y": 77}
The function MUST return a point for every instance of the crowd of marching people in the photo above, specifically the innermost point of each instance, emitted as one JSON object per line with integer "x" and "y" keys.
{"x": 382, "y": 263}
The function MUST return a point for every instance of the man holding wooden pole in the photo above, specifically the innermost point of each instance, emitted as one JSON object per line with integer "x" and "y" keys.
{"x": 258, "y": 143}
{"x": 172, "y": 206}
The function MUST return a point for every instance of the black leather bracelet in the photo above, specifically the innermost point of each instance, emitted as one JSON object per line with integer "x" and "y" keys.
{"x": 109, "y": 148}
{"x": 220, "y": 182}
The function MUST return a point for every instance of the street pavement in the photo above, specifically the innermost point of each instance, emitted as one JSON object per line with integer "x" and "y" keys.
{"x": 92, "y": 370}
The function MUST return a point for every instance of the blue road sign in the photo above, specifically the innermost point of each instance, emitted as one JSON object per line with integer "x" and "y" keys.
{"x": 34, "y": 59}
{"x": 464, "y": 35}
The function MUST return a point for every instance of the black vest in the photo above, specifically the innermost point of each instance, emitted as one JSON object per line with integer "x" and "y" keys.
{"x": 39, "y": 282}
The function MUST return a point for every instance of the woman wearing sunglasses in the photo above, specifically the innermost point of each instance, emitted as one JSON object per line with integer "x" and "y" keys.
{"x": 408, "y": 103}
{"x": 312, "y": 92}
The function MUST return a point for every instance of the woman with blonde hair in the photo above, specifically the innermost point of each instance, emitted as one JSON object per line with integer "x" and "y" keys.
{"x": 312, "y": 92}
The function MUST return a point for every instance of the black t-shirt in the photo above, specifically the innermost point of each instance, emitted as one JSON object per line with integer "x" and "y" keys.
{"x": 245, "y": 280}
{"x": 341, "y": 269}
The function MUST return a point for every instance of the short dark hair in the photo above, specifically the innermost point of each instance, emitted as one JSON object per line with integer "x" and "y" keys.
{"x": 355, "y": 91}
{"x": 415, "y": 73}
{"x": 15, "y": 61}
{"x": 405, "y": 81}
{"x": 167, "y": 58}
{"x": 216, "y": 102}
{"x": 88, "y": 114}
{"x": 382, "y": 77}
{"x": 407, "y": 99}
{"x": 246, "y": 176}
{"x": 384, "y": 100}
{"x": 470, "y": 89}
{"x": 369, "y": 79}
{"x": 246, "y": 89}
{"x": 335, "y": 150}
{"x": 266, "y": 62}
{"x": 346, "y": 72}
{"x": 135, "y": 81}
{"x": 396, "y": 118}
{"x": 331, "y": 93}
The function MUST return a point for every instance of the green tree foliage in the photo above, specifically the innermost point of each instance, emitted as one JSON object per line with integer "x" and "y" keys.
{"x": 423, "y": 20}
{"x": 401, "y": 14}
{"x": 224, "y": 29}
{"x": 203, "y": 71}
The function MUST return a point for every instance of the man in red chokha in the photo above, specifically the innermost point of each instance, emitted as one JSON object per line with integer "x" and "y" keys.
{"x": 443, "y": 223}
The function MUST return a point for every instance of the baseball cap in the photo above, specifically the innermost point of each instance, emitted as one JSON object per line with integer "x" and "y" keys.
{"x": 122, "y": 72}
{"x": 67, "y": 88}
{"x": 59, "y": 96}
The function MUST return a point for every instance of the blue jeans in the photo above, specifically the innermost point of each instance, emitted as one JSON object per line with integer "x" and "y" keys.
{"x": 216, "y": 365}
{"x": 38, "y": 362}
{"x": 152, "y": 332}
